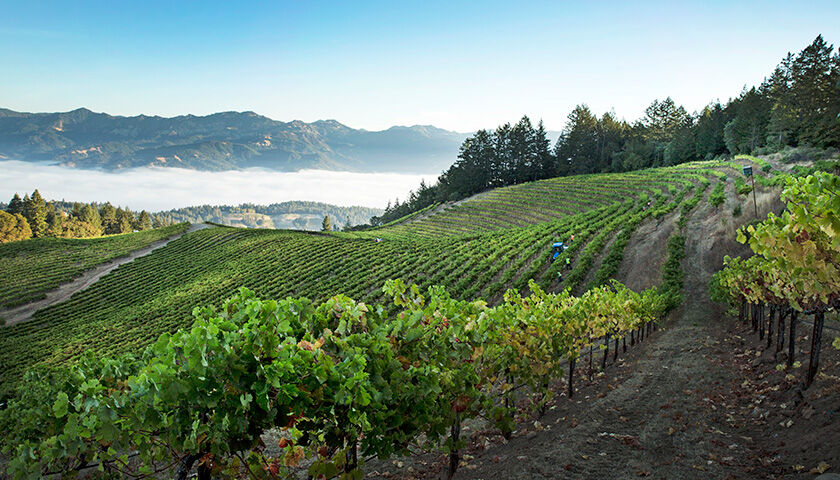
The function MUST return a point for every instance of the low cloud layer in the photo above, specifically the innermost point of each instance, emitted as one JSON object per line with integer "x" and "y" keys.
{"x": 157, "y": 189}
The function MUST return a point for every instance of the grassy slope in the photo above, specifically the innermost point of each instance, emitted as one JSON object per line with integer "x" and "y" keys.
{"x": 33, "y": 267}
{"x": 479, "y": 248}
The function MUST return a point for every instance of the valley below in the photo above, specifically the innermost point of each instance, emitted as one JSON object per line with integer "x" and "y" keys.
{"x": 177, "y": 187}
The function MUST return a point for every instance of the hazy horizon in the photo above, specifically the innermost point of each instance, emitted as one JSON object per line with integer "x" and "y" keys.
{"x": 290, "y": 120}
{"x": 177, "y": 187}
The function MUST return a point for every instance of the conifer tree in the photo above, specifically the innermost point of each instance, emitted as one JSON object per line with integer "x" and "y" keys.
{"x": 577, "y": 148}
{"x": 90, "y": 216}
{"x": 108, "y": 216}
{"x": 56, "y": 220}
{"x": 125, "y": 220}
{"x": 545, "y": 167}
{"x": 15, "y": 205}
{"x": 143, "y": 222}
{"x": 35, "y": 212}
{"x": 326, "y": 225}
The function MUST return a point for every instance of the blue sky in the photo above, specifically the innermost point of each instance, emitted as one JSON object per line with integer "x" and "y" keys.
{"x": 456, "y": 65}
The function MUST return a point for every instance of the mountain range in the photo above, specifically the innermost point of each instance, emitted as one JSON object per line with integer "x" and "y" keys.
{"x": 221, "y": 141}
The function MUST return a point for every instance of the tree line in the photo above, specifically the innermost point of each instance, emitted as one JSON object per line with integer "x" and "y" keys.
{"x": 797, "y": 105}
{"x": 32, "y": 216}
{"x": 308, "y": 214}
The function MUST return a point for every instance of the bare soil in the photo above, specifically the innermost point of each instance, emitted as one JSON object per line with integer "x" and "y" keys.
{"x": 88, "y": 278}
{"x": 641, "y": 266}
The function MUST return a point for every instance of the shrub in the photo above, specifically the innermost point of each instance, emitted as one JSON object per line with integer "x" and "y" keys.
{"x": 763, "y": 164}
{"x": 717, "y": 197}
{"x": 742, "y": 187}
{"x": 802, "y": 154}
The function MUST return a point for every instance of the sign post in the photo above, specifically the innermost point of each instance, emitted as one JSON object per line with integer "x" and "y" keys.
{"x": 748, "y": 172}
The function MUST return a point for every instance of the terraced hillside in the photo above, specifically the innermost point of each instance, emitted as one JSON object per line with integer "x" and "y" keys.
{"x": 479, "y": 248}
{"x": 531, "y": 203}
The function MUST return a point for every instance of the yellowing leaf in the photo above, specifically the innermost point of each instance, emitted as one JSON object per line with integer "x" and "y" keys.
{"x": 293, "y": 456}
{"x": 821, "y": 468}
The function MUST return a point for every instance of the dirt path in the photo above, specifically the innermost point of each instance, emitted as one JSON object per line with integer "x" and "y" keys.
{"x": 641, "y": 266}
{"x": 661, "y": 411}
{"x": 657, "y": 413}
{"x": 647, "y": 416}
{"x": 88, "y": 278}
{"x": 650, "y": 416}
{"x": 695, "y": 400}
{"x": 666, "y": 409}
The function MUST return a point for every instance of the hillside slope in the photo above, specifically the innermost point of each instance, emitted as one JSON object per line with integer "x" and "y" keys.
{"x": 497, "y": 241}
{"x": 691, "y": 403}
{"x": 34, "y": 267}
{"x": 90, "y": 276}
{"x": 648, "y": 416}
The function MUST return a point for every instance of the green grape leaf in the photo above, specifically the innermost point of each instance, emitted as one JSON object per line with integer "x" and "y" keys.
{"x": 60, "y": 405}
{"x": 363, "y": 397}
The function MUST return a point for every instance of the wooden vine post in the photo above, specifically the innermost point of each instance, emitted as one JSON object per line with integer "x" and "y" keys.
{"x": 816, "y": 337}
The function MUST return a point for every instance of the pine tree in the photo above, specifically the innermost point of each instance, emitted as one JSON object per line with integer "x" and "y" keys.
{"x": 502, "y": 158}
{"x": 748, "y": 129}
{"x": 577, "y": 147}
{"x": 27, "y": 206}
{"x": 522, "y": 152}
{"x": 664, "y": 119}
{"x": 545, "y": 160}
{"x": 55, "y": 221}
{"x": 143, "y": 222}
{"x": 815, "y": 94}
{"x": 15, "y": 205}
{"x": 76, "y": 213}
{"x": 108, "y": 216}
{"x": 52, "y": 214}
{"x": 326, "y": 225}
{"x": 709, "y": 132}
{"x": 612, "y": 134}
{"x": 783, "y": 123}
{"x": 125, "y": 220}
{"x": 35, "y": 212}
{"x": 90, "y": 216}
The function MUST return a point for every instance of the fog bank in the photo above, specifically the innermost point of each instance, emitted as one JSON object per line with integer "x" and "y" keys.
{"x": 155, "y": 188}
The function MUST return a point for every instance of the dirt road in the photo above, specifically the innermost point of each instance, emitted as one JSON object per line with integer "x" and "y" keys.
{"x": 88, "y": 278}
{"x": 651, "y": 416}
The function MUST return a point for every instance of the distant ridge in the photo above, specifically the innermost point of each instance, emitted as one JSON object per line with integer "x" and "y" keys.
{"x": 221, "y": 141}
